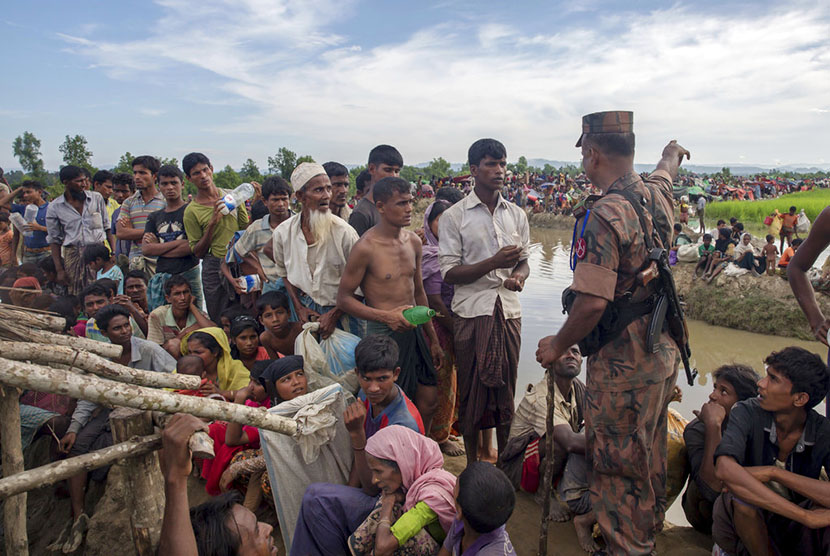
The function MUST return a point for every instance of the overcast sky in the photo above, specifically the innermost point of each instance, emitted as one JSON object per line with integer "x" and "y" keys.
{"x": 745, "y": 82}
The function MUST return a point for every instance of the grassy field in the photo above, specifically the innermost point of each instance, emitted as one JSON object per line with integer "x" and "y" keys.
{"x": 813, "y": 202}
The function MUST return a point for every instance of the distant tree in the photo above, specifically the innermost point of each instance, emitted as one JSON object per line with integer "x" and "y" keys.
{"x": 304, "y": 158}
{"x": 15, "y": 177}
{"x": 353, "y": 173}
{"x": 226, "y": 178}
{"x": 438, "y": 168}
{"x": 548, "y": 169}
{"x": 521, "y": 165}
{"x": 250, "y": 171}
{"x": 465, "y": 168}
{"x": 411, "y": 173}
{"x": 726, "y": 172}
{"x": 173, "y": 161}
{"x": 125, "y": 163}
{"x": 26, "y": 149}
{"x": 282, "y": 163}
{"x": 75, "y": 152}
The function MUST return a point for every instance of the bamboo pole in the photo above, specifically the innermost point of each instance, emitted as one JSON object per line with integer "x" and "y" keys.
{"x": 145, "y": 488}
{"x": 27, "y": 351}
{"x": 99, "y": 390}
{"x": 12, "y": 331}
{"x": 14, "y": 510}
{"x": 63, "y": 469}
{"x": 547, "y": 483}
{"x": 28, "y": 317}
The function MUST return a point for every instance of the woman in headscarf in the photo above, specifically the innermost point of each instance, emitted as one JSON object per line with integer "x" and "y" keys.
{"x": 439, "y": 295}
{"x": 225, "y": 375}
{"x": 746, "y": 256}
{"x": 412, "y": 516}
{"x": 244, "y": 337}
{"x": 272, "y": 382}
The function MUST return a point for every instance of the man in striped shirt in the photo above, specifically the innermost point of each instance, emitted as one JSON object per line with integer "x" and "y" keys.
{"x": 135, "y": 210}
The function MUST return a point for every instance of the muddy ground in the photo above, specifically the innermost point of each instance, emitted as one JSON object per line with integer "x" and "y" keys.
{"x": 109, "y": 532}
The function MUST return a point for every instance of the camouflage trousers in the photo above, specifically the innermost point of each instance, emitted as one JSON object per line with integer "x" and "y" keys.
{"x": 626, "y": 447}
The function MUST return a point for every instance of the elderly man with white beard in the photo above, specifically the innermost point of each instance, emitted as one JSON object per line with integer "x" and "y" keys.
{"x": 311, "y": 249}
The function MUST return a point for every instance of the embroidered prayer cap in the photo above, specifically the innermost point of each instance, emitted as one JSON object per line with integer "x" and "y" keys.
{"x": 303, "y": 173}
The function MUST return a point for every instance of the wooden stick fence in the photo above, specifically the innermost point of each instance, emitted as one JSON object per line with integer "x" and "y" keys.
{"x": 27, "y": 346}
{"x": 26, "y": 351}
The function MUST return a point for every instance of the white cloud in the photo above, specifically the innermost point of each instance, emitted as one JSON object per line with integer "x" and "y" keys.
{"x": 725, "y": 86}
{"x": 152, "y": 111}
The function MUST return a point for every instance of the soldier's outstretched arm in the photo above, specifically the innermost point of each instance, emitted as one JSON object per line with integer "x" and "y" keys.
{"x": 673, "y": 155}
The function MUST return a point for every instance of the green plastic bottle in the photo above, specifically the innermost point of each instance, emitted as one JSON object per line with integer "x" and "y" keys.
{"x": 418, "y": 315}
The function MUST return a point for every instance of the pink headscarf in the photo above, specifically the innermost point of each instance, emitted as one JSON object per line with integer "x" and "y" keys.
{"x": 429, "y": 256}
{"x": 420, "y": 461}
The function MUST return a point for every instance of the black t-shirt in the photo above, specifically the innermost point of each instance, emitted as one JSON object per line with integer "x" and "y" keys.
{"x": 258, "y": 210}
{"x": 169, "y": 226}
{"x": 750, "y": 440}
{"x": 364, "y": 216}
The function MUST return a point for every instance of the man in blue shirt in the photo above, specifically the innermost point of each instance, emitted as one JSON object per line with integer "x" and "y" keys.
{"x": 35, "y": 247}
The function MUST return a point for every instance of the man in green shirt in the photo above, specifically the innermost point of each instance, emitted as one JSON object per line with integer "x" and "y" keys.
{"x": 209, "y": 232}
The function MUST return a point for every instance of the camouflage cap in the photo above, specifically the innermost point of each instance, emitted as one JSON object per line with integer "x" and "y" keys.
{"x": 615, "y": 121}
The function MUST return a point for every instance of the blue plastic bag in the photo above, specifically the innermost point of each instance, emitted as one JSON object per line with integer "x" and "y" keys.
{"x": 339, "y": 351}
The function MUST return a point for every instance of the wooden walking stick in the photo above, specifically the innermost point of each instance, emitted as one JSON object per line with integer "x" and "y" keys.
{"x": 547, "y": 484}
{"x": 14, "y": 511}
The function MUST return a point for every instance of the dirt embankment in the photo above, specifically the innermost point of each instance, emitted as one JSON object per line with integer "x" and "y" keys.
{"x": 765, "y": 304}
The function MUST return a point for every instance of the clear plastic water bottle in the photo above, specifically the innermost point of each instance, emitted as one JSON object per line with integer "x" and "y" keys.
{"x": 237, "y": 197}
{"x": 250, "y": 283}
{"x": 30, "y": 216}
{"x": 18, "y": 221}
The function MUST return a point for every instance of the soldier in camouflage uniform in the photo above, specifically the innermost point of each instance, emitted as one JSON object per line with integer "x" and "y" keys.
{"x": 628, "y": 387}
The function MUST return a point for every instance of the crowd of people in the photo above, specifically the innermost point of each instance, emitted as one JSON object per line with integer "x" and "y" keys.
{"x": 227, "y": 290}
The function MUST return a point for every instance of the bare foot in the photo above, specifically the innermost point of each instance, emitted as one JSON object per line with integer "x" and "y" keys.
{"x": 584, "y": 525}
{"x": 452, "y": 448}
{"x": 559, "y": 512}
{"x": 490, "y": 456}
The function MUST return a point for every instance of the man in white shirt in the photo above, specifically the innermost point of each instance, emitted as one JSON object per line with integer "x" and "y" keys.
{"x": 701, "y": 208}
{"x": 311, "y": 250}
{"x": 483, "y": 253}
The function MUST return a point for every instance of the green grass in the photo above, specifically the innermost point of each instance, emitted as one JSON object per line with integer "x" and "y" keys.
{"x": 813, "y": 202}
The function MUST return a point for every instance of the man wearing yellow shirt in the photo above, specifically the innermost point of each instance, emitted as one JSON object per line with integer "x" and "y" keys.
{"x": 209, "y": 232}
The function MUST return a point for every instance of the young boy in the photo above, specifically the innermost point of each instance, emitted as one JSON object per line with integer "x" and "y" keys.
{"x": 380, "y": 402}
{"x": 190, "y": 365}
{"x": 386, "y": 266}
{"x": 274, "y": 312}
{"x": 704, "y": 252}
{"x": 776, "y": 440}
{"x": 733, "y": 383}
{"x": 484, "y": 501}
{"x": 788, "y": 222}
{"x": 784, "y": 261}
{"x": 99, "y": 260}
{"x": 770, "y": 251}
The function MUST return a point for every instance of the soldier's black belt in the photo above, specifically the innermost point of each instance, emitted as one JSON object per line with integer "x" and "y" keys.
{"x": 616, "y": 318}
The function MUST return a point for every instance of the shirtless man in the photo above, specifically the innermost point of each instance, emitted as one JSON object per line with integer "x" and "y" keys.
{"x": 386, "y": 265}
